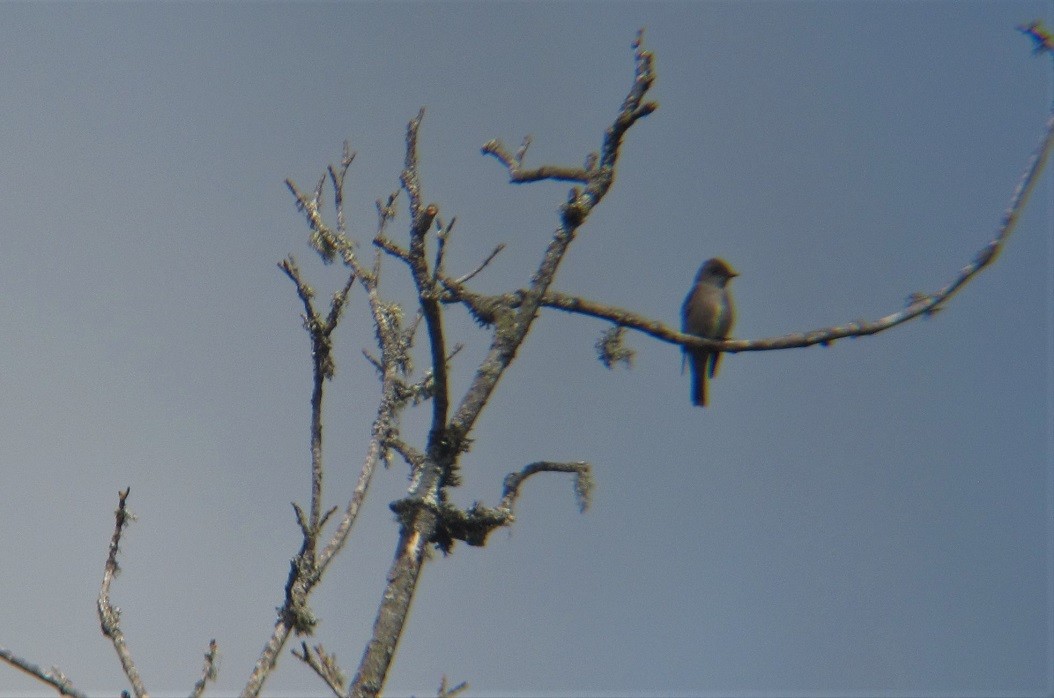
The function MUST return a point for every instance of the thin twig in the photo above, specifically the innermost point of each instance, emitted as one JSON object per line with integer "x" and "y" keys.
{"x": 452, "y": 691}
{"x": 320, "y": 331}
{"x": 482, "y": 265}
{"x": 414, "y": 458}
{"x": 442, "y": 238}
{"x": 109, "y": 615}
{"x": 52, "y": 677}
{"x": 209, "y": 671}
{"x": 337, "y": 178}
{"x": 392, "y": 248}
{"x": 325, "y": 666}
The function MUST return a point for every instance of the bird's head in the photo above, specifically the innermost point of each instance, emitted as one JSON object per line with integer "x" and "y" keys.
{"x": 716, "y": 271}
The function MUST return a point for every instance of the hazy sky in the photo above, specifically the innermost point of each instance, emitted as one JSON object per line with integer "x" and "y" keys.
{"x": 873, "y": 518}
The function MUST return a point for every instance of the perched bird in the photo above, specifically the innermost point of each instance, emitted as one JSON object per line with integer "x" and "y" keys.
{"x": 707, "y": 312}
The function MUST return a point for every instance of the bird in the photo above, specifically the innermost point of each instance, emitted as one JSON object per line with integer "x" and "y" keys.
{"x": 707, "y": 312}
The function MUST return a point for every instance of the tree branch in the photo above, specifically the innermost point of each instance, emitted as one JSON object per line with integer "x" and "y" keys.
{"x": 519, "y": 175}
{"x": 583, "y": 481}
{"x": 452, "y": 691}
{"x": 508, "y": 337}
{"x": 443, "y": 234}
{"x": 917, "y": 303}
{"x": 109, "y": 615}
{"x": 325, "y": 665}
{"x": 482, "y": 265}
{"x": 320, "y": 331}
{"x": 476, "y": 523}
{"x": 52, "y": 677}
{"x": 420, "y": 510}
{"x": 424, "y": 280}
{"x": 208, "y": 671}
{"x": 426, "y": 518}
{"x": 306, "y": 570}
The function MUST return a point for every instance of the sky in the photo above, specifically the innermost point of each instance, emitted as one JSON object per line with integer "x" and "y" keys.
{"x": 873, "y": 518}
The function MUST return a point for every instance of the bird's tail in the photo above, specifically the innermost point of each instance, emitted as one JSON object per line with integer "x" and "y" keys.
{"x": 699, "y": 370}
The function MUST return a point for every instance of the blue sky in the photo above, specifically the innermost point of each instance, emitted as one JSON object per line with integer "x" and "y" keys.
{"x": 873, "y": 518}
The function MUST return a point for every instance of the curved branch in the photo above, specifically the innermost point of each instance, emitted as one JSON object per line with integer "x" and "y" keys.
{"x": 474, "y": 524}
{"x": 583, "y": 481}
{"x": 919, "y": 303}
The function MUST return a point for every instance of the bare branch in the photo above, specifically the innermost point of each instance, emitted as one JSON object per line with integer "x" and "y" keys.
{"x": 392, "y": 248}
{"x": 424, "y": 389}
{"x": 519, "y": 175}
{"x": 209, "y": 671}
{"x": 320, "y": 331}
{"x": 918, "y": 303}
{"x": 476, "y": 523}
{"x": 421, "y": 512}
{"x": 422, "y": 218}
{"x": 634, "y": 107}
{"x": 325, "y": 241}
{"x": 337, "y": 176}
{"x": 426, "y": 518}
{"x": 52, "y": 677}
{"x": 386, "y": 211}
{"x": 325, "y": 665}
{"x": 109, "y": 615}
{"x": 337, "y": 302}
{"x": 487, "y": 310}
{"x": 308, "y": 566}
{"x": 443, "y": 234}
{"x": 409, "y": 178}
{"x": 374, "y": 361}
{"x": 414, "y": 458}
{"x": 583, "y": 481}
{"x": 451, "y": 692}
{"x": 482, "y": 265}
{"x": 573, "y": 215}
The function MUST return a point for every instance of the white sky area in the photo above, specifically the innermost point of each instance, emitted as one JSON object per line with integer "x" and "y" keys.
{"x": 867, "y": 519}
